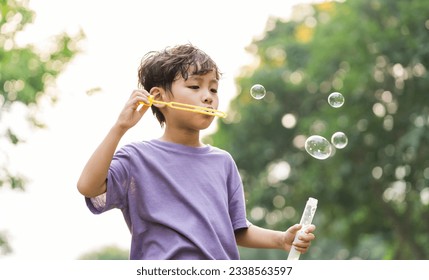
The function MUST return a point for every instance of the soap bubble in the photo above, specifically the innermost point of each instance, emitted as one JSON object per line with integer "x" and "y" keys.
{"x": 257, "y": 91}
{"x": 336, "y": 99}
{"x": 318, "y": 147}
{"x": 339, "y": 140}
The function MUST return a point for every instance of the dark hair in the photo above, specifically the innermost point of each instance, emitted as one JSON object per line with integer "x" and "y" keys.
{"x": 161, "y": 68}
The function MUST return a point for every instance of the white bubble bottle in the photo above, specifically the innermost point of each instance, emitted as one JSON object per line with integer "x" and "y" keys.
{"x": 306, "y": 219}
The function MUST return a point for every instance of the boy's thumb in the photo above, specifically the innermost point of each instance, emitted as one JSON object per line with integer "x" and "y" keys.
{"x": 295, "y": 228}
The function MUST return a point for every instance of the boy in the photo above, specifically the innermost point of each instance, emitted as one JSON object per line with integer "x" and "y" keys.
{"x": 180, "y": 198}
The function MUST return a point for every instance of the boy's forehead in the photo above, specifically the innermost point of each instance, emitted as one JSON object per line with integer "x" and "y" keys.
{"x": 198, "y": 70}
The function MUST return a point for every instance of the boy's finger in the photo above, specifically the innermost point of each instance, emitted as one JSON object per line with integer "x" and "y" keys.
{"x": 310, "y": 229}
{"x": 295, "y": 228}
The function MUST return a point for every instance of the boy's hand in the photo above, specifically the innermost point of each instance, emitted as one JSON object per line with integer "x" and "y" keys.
{"x": 304, "y": 241}
{"x": 130, "y": 116}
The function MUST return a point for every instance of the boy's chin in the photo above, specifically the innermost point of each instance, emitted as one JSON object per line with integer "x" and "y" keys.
{"x": 207, "y": 123}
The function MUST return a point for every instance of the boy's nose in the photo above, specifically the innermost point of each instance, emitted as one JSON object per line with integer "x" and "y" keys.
{"x": 207, "y": 98}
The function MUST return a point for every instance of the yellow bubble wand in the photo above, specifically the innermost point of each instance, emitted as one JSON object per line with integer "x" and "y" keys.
{"x": 187, "y": 107}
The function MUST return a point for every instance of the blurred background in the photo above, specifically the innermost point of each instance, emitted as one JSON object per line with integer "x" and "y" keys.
{"x": 67, "y": 68}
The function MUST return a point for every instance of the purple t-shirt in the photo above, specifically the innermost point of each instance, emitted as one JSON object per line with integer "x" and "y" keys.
{"x": 179, "y": 202}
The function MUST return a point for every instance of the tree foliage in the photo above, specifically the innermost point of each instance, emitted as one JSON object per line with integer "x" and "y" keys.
{"x": 107, "y": 253}
{"x": 373, "y": 194}
{"x": 27, "y": 76}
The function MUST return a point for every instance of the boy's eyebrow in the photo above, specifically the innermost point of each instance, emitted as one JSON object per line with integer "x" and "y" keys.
{"x": 199, "y": 78}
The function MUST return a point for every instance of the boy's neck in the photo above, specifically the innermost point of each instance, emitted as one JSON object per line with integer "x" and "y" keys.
{"x": 188, "y": 138}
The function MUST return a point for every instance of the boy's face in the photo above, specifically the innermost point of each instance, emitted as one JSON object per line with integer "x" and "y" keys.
{"x": 199, "y": 90}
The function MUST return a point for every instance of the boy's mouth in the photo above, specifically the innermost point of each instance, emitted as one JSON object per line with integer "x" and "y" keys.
{"x": 208, "y": 109}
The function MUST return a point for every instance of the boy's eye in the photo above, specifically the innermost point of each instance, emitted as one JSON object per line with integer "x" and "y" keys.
{"x": 213, "y": 90}
{"x": 194, "y": 87}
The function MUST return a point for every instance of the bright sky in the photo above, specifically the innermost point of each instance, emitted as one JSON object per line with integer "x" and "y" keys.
{"x": 50, "y": 219}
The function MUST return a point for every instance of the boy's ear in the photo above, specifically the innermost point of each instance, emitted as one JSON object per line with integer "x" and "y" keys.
{"x": 158, "y": 93}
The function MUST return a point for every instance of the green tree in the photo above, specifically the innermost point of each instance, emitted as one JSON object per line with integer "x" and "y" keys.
{"x": 107, "y": 253}
{"x": 373, "y": 194}
{"x": 27, "y": 75}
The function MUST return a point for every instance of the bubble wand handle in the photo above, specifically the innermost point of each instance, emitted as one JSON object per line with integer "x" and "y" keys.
{"x": 187, "y": 107}
{"x": 306, "y": 219}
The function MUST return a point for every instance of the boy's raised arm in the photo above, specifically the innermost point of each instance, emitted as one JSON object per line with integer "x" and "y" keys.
{"x": 92, "y": 181}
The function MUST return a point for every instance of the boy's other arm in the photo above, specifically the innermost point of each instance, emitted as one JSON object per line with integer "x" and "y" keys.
{"x": 92, "y": 181}
{"x": 257, "y": 237}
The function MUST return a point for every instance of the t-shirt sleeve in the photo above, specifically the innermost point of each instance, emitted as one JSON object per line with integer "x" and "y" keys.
{"x": 117, "y": 185}
{"x": 237, "y": 206}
